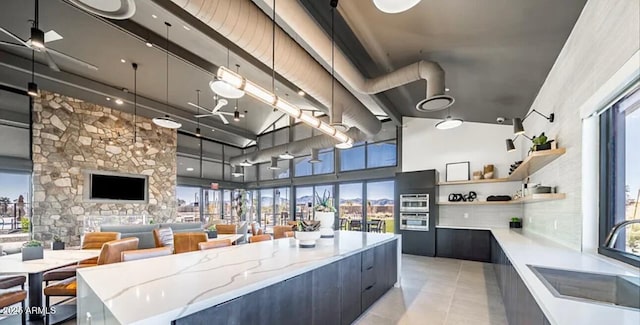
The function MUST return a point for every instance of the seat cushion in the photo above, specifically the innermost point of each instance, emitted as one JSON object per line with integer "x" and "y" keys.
{"x": 142, "y": 232}
{"x": 10, "y": 297}
{"x": 12, "y": 281}
{"x": 94, "y": 240}
{"x": 66, "y": 287}
{"x": 63, "y": 272}
{"x": 164, "y": 237}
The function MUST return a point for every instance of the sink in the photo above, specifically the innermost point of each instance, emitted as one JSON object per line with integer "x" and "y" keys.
{"x": 615, "y": 290}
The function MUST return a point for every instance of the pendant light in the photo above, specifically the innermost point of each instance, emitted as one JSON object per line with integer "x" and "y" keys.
{"x": 198, "y": 134}
{"x": 223, "y": 88}
{"x": 274, "y": 163}
{"x": 348, "y": 142}
{"x": 237, "y": 171}
{"x": 166, "y": 121}
{"x": 32, "y": 87}
{"x": 449, "y": 122}
{"x": 286, "y": 155}
{"x": 236, "y": 113}
{"x": 37, "y": 40}
{"x": 37, "y": 35}
{"x": 518, "y": 128}
{"x": 394, "y": 6}
{"x": 315, "y": 156}
{"x": 135, "y": 101}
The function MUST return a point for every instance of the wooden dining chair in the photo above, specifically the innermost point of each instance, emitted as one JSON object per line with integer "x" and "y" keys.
{"x": 289, "y": 234}
{"x": 227, "y": 229}
{"x": 140, "y": 254}
{"x": 8, "y": 282}
{"x": 355, "y": 225}
{"x": 12, "y": 297}
{"x": 91, "y": 240}
{"x": 111, "y": 252}
{"x": 279, "y": 231}
{"x": 259, "y": 238}
{"x": 255, "y": 229}
{"x": 211, "y": 244}
{"x": 188, "y": 241}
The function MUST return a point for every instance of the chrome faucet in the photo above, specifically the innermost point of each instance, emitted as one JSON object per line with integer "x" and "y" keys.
{"x": 613, "y": 234}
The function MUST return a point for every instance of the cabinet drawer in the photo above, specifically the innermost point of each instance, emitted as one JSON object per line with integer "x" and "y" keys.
{"x": 368, "y": 278}
{"x": 369, "y": 296}
{"x": 368, "y": 259}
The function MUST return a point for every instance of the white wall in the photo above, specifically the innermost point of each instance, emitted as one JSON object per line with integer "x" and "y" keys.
{"x": 605, "y": 37}
{"x": 425, "y": 147}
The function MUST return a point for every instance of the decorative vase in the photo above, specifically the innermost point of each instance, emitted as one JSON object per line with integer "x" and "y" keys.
{"x": 307, "y": 238}
{"x": 212, "y": 234}
{"x": 326, "y": 223}
{"x": 32, "y": 253}
{"x": 57, "y": 245}
{"x": 515, "y": 224}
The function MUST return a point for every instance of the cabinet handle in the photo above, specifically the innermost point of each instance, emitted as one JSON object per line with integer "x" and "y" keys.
{"x": 369, "y": 268}
{"x": 369, "y": 287}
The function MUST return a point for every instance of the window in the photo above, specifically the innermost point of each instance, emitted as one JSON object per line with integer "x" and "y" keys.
{"x": 325, "y": 166}
{"x": 304, "y": 201}
{"x": 321, "y": 191}
{"x": 381, "y": 154}
{"x": 283, "y": 172}
{"x": 14, "y": 201}
{"x": 253, "y": 206}
{"x": 302, "y": 167}
{"x": 380, "y": 206}
{"x": 266, "y": 206}
{"x": 212, "y": 206}
{"x": 282, "y": 205}
{"x": 352, "y": 159}
{"x": 227, "y": 204}
{"x": 265, "y": 172}
{"x": 188, "y": 203}
{"x": 620, "y": 177}
{"x": 350, "y": 206}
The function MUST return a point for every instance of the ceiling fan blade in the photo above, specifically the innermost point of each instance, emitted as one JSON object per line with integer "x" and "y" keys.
{"x": 52, "y": 36}
{"x": 220, "y": 104}
{"x": 202, "y": 115}
{"x": 14, "y": 36}
{"x": 72, "y": 59}
{"x": 52, "y": 64}
{"x": 12, "y": 44}
{"x": 224, "y": 119}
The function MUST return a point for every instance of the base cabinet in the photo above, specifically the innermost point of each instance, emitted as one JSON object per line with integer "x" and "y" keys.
{"x": 337, "y": 293}
{"x": 519, "y": 304}
{"x": 464, "y": 244}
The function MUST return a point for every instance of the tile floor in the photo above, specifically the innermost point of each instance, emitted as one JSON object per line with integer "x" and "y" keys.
{"x": 440, "y": 291}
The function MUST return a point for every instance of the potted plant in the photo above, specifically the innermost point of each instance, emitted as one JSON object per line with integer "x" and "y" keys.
{"x": 212, "y": 232}
{"x": 541, "y": 142}
{"x": 515, "y": 223}
{"x": 32, "y": 250}
{"x": 57, "y": 243}
{"x": 25, "y": 224}
{"x": 325, "y": 212}
{"x": 308, "y": 232}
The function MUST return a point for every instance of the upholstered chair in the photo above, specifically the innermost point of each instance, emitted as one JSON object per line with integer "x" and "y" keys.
{"x": 259, "y": 238}
{"x": 214, "y": 244}
{"x": 279, "y": 231}
{"x": 227, "y": 229}
{"x": 188, "y": 241}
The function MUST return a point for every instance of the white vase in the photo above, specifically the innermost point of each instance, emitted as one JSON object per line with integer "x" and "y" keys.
{"x": 307, "y": 238}
{"x": 326, "y": 223}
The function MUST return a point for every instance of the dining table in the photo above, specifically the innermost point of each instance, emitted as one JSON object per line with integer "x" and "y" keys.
{"x": 52, "y": 259}
{"x": 233, "y": 238}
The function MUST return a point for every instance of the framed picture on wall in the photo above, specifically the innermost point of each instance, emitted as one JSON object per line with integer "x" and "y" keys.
{"x": 458, "y": 171}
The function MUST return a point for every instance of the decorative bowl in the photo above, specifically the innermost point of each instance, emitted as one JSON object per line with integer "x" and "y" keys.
{"x": 307, "y": 238}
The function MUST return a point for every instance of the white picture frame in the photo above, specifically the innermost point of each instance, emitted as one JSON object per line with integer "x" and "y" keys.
{"x": 459, "y": 171}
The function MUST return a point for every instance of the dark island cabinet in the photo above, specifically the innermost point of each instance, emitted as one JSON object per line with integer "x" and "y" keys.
{"x": 464, "y": 244}
{"x": 337, "y": 293}
{"x": 519, "y": 304}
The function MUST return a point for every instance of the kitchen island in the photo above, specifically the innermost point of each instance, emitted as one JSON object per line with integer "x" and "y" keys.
{"x": 272, "y": 282}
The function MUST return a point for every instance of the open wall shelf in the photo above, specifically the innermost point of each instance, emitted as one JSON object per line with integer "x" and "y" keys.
{"x": 528, "y": 199}
{"x": 490, "y": 180}
{"x": 534, "y": 162}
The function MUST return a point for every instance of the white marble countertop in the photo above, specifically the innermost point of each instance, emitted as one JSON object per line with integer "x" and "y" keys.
{"x": 523, "y": 250}
{"x": 162, "y": 289}
{"x": 52, "y": 259}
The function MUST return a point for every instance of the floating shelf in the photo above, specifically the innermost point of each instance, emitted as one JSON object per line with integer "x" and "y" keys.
{"x": 529, "y": 199}
{"x": 490, "y": 180}
{"x": 534, "y": 162}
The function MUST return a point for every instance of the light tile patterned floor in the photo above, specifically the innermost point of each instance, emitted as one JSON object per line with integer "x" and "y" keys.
{"x": 440, "y": 291}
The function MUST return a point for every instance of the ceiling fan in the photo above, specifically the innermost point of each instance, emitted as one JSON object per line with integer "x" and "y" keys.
{"x": 216, "y": 111}
{"x": 38, "y": 42}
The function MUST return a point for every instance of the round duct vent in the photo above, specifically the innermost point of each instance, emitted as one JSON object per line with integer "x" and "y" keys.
{"x": 112, "y": 9}
{"x": 340, "y": 127}
{"x": 435, "y": 103}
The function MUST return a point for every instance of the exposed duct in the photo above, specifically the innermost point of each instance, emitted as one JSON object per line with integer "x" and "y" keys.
{"x": 297, "y": 148}
{"x": 246, "y": 25}
{"x": 299, "y": 21}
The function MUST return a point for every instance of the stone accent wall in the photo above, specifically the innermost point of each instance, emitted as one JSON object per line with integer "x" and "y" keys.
{"x": 70, "y": 137}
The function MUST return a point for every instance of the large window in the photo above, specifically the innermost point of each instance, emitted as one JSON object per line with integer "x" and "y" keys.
{"x": 304, "y": 202}
{"x": 620, "y": 177}
{"x": 381, "y": 154}
{"x": 14, "y": 202}
{"x": 352, "y": 158}
{"x": 188, "y": 203}
{"x": 282, "y": 202}
{"x": 212, "y": 206}
{"x": 266, "y": 206}
{"x": 380, "y": 206}
{"x": 350, "y": 206}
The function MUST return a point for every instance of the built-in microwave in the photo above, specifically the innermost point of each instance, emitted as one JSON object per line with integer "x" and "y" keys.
{"x": 414, "y": 202}
{"x": 418, "y": 221}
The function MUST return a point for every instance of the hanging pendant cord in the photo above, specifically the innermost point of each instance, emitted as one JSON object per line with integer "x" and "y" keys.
{"x": 198, "y": 101}
{"x": 135, "y": 101}
{"x": 167, "y": 51}
{"x": 273, "y": 51}
{"x": 37, "y": 13}
{"x": 333, "y": 46}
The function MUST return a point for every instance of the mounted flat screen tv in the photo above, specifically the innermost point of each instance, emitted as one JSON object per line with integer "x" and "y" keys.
{"x": 114, "y": 187}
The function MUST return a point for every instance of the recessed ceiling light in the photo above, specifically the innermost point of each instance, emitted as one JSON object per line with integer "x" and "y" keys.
{"x": 186, "y": 27}
{"x": 447, "y": 89}
{"x": 108, "y": 98}
{"x": 301, "y": 92}
{"x": 154, "y": 16}
{"x": 119, "y": 101}
{"x": 123, "y": 60}
{"x": 148, "y": 44}
{"x": 189, "y": 169}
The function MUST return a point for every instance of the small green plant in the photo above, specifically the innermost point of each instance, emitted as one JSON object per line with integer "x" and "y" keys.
{"x": 25, "y": 224}
{"x": 212, "y": 228}
{"x": 514, "y": 219}
{"x": 324, "y": 203}
{"x": 539, "y": 141}
{"x": 150, "y": 221}
{"x": 32, "y": 243}
{"x": 308, "y": 225}
{"x": 57, "y": 239}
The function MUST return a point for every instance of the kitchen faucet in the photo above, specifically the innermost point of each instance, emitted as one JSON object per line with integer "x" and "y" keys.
{"x": 613, "y": 234}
